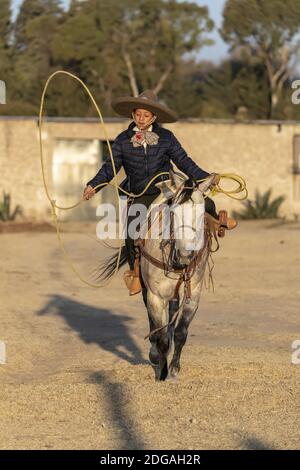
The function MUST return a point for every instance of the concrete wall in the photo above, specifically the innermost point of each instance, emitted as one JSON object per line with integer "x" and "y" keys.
{"x": 261, "y": 152}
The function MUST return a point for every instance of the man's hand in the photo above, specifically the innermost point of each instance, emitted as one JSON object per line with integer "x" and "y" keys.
{"x": 88, "y": 192}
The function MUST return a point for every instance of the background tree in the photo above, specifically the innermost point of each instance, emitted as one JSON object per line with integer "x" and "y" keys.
{"x": 127, "y": 46}
{"x": 266, "y": 30}
{"x": 121, "y": 47}
{"x": 156, "y": 36}
{"x": 5, "y": 41}
{"x": 83, "y": 46}
{"x": 34, "y": 31}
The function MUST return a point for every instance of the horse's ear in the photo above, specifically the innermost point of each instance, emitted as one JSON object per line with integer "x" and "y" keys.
{"x": 169, "y": 187}
{"x": 177, "y": 179}
{"x": 206, "y": 184}
{"x": 167, "y": 190}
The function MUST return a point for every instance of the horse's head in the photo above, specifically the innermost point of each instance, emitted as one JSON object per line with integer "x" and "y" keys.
{"x": 187, "y": 215}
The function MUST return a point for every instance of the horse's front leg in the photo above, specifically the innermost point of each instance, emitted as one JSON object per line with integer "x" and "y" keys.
{"x": 158, "y": 312}
{"x": 180, "y": 335}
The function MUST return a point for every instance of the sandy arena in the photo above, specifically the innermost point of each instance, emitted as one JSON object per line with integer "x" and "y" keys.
{"x": 77, "y": 374}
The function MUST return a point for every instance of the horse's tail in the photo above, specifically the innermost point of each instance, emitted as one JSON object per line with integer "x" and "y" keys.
{"x": 109, "y": 265}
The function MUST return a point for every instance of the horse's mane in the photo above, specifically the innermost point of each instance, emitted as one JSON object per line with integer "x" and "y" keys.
{"x": 187, "y": 191}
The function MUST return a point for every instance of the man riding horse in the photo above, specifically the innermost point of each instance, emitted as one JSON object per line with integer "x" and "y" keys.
{"x": 144, "y": 150}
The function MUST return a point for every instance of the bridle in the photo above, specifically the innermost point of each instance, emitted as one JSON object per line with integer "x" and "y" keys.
{"x": 169, "y": 264}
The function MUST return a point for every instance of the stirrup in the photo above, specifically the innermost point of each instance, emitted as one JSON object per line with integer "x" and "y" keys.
{"x": 225, "y": 223}
{"x": 136, "y": 286}
{"x": 133, "y": 283}
{"x": 127, "y": 278}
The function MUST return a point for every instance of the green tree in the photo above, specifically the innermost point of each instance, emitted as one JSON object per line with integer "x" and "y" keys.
{"x": 116, "y": 46}
{"x": 266, "y": 30}
{"x": 5, "y": 39}
{"x": 82, "y": 47}
{"x": 35, "y": 28}
{"x": 232, "y": 86}
{"x": 127, "y": 46}
{"x": 154, "y": 37}
{"x": 184, "y": 89}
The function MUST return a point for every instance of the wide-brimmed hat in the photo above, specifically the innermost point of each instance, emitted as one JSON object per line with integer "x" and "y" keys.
{"x": 146, "y": 100}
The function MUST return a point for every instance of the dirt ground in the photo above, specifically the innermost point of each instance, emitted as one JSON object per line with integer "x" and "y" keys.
{"x": 77, "y": 374}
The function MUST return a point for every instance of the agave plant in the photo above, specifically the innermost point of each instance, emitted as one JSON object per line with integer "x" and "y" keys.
{"x": 5, "y": 209}
{"x": 261, "y": 208}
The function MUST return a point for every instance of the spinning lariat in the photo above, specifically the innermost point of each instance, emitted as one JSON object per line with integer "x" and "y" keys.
{"x": 241, "y": 185}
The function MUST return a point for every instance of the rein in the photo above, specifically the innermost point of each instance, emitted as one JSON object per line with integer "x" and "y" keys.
{"x": 185, "y": 273}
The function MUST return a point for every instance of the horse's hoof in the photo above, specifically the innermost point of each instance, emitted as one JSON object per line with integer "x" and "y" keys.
{"x": 171, "y": 378}
{"x": 173, "y": 372}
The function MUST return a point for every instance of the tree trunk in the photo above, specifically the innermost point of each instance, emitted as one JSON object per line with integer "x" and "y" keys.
{"x": 130, "y": 73}
{"x": 162, "y": 79}
{"x": 277, "y": 78}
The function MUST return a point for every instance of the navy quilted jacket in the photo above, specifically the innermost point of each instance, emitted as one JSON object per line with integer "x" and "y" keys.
{"x": 141, "y": 165}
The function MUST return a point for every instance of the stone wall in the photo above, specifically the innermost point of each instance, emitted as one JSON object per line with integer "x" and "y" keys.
{"x": 261, "y": 152}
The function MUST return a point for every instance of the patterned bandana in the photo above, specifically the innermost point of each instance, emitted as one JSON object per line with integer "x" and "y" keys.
{"x": 140, "y": 137}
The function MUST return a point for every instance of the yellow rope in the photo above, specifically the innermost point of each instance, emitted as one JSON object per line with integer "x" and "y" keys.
{"x": 239, "y": 189}
{"x": 217, "y": 189}
{"x": 54, "y": 206}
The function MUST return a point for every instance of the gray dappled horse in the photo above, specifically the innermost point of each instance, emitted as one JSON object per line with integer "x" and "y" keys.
{"x": 191, "y": 241}
{"x": 165, "y": 296}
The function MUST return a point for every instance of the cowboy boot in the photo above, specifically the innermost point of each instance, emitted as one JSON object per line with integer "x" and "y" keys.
{"x": 136, "y": 286}
{"x": 132, "y": 278}
{"x": 130, "y": 274}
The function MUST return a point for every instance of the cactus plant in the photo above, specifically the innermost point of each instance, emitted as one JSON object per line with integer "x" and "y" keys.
{"x": 5, "y": 208}
{"x": 261, "y": 208}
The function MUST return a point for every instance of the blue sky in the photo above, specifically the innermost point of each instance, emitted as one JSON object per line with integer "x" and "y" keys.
{"x": 219, "y": 50}
{"x": 214, "y": 53}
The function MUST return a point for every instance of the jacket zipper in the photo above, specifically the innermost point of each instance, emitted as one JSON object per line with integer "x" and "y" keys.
{"x": 146, "y": 156}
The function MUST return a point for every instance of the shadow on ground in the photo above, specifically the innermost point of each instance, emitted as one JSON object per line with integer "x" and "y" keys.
{"x": 253, "y": 443}
{"x": 103, "y": 327}
{"x": 129, "y": 436}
